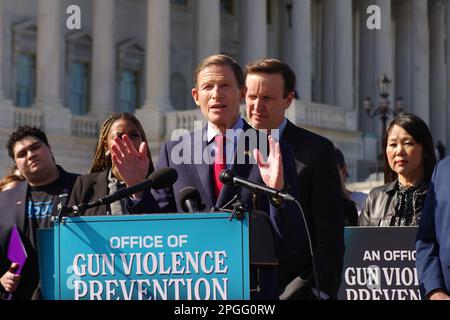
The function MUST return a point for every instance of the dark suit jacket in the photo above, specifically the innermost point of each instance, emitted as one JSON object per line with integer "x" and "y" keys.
{"x": 13, "y": 203}
{"x": 320, "y": 197}
{"x": 93, "y": 186}
{"x": 433, "y": 237}
{"x": 287, "y": 222}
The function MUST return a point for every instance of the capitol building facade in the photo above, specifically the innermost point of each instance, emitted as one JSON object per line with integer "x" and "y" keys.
{"x": 138, "y": 56}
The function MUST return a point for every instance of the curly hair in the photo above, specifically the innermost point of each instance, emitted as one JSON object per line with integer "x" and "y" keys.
{"x": 102, "y": 159}
{"x": 22, "y": 132}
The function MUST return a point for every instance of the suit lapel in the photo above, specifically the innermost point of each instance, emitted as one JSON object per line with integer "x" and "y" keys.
{"x": 101, "y": 189}
{"x": 20, "y": 200}
{"x": 204, "y": 171}
{"x": 290, "y": 137}
{"x": 101, "y": 184}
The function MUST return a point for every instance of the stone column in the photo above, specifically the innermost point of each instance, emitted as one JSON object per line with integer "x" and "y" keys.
{"x": 207, "y": 28}
{"x": 6, "y": 107}
{"x": 328, "y": 51}
{"x": 302, "y": 47}
{"x": 103, "y": 60}
{"x": 343, "y": 63}
{"x": 376, "y": 58}
{"x": 252, "y": 30}
{"x": 48, "y": 76}
{"x": 420, "y": 50}
{"x": 157, "y": 101}
{"x": 438, "y": 74}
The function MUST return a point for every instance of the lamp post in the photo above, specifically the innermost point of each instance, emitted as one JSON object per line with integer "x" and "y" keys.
{"x": 384, "y": 109}
{"x": 289, "y": 13}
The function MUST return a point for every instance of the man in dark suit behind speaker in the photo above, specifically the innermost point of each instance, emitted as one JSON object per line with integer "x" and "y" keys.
{"x": 219, "y": 88}
{"x": 270, "y": 90}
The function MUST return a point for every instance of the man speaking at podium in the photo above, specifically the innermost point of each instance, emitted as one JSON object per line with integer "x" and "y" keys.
{"x": 219, "y": 88}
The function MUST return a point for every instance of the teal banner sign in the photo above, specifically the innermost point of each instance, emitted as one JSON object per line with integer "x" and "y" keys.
{"x": 200, "y": 256}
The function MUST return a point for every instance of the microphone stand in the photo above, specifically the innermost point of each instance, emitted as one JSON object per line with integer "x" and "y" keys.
{"x": 238, "y": 210}
{"x": 65, "y": 211}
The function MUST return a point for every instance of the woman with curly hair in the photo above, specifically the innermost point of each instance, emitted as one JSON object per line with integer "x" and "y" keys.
{"x": 121, "y": 133}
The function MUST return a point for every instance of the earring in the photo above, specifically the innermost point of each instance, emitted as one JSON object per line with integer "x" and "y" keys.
{"x": 107, "y": 153}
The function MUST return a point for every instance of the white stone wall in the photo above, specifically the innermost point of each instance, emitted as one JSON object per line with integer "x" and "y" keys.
{"x": 339, "y": 52}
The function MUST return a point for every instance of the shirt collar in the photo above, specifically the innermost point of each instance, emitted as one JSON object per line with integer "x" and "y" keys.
{"x": 282, "y": 127}
{"x": 211, "y": 131}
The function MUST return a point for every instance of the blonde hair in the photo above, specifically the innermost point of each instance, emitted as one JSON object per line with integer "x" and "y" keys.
{"x": 102, "y": 159}
{"x": 12, "y": 175}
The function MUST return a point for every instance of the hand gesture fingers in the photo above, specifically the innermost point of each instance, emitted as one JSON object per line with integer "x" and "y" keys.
{"x": 131, "y": 164}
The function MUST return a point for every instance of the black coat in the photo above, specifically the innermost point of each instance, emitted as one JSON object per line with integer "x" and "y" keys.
{"x": 321, "y": 200}
{"x": 379, "y": 208}
{"x": 93, "y": 186}
{"x": 13, "y": 205}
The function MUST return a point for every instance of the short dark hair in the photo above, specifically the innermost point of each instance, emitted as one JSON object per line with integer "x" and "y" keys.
{"x": 22, "y": 132}
{"x": 420, "y": 132}
{"x": 273, "y": 66}
{"x": 220, "y": 60}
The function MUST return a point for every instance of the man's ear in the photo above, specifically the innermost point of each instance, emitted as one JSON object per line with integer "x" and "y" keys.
{"x": 194, "y": 92}
{"x": 51, "y": 152}
{"x": 243, "y": 92}
{"x": 289, "y": 99}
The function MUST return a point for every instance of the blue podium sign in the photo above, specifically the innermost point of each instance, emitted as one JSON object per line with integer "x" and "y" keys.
{"x": 200, "y": 256}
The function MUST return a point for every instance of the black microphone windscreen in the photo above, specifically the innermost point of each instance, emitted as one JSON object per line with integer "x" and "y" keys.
{"x": 189, "y": 193}
{"x": 226, "y": 176}
{"x": 163, "y": 178}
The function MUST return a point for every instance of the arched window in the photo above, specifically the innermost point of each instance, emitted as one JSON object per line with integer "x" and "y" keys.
{"x": 178, "y": 91}
{"x": 25, "y": 72}
{"x": 182, "y": 3}
{"x": 78, "y": 88}
{"x": 23, "y": 79}
{"x": 227, "y": 6}
{"x": 128, "y": 92}
{"x": 130, "y": 81}
{"x": 78, "y": 67}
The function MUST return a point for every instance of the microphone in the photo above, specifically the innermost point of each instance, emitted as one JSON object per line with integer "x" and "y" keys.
{"x": 190, "y": 199}
{"x": 229, "y": 178}
{"x": 159, "y": 179}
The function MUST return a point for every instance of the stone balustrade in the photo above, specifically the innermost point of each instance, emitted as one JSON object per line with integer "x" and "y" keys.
{"x": 28, "y": 116}
{"x": 322, "y": 116}
{"x": 83, "y": 126}
{"x": 182, "y": 120}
